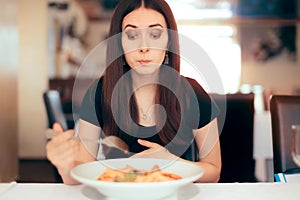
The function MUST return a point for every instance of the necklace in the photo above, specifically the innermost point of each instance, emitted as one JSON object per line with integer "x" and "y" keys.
{"x": 144, "y": 115}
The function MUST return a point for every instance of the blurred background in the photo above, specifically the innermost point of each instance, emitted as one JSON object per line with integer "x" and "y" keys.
{"x": 253, "y": 44}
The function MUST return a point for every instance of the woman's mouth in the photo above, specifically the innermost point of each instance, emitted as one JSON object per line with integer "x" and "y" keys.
{"x": 144, "y": 62}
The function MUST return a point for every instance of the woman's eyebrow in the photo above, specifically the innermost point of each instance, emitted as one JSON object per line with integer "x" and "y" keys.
{"x": 134, "y": 26}
{"x": 153, "y": 25}
{"x": 130, "y": 25}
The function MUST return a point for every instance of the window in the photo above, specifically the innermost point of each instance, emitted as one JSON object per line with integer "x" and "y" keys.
{"x": 218, "y": 41}
{"x": 222, "y": 49}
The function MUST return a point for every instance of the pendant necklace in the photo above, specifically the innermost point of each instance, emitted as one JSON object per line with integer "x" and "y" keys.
{"x": 144, "y": 115}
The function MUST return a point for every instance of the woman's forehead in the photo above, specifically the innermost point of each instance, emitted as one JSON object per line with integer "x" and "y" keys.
{"x": 144, "y": 18}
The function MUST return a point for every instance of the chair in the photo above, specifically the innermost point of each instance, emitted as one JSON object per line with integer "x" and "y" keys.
{"x": 285, "y": 111}
{"x": 236, "y": 139}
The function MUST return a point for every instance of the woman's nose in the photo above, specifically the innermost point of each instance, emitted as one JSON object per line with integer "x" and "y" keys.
{"x": 144, "y": 49}
{"x": 144, "y": 46}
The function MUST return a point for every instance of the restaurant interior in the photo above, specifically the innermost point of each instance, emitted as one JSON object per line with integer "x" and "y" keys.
{"x": 253, "y": 46}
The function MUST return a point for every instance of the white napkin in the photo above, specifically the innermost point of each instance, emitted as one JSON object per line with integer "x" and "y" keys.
{"x": 287, "y": 178}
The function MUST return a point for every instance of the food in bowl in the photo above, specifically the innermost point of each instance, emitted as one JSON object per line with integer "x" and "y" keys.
{"x": 88, "y": 173}
{"x": 131, "y": 174}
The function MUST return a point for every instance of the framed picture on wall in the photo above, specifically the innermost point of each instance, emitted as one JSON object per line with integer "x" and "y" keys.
{"x": 263, "y": 42}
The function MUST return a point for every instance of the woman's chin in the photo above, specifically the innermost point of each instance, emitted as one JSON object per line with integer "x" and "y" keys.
{"x": 146, "y": 69}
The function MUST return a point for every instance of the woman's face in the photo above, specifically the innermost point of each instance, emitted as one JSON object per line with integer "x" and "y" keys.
{"x": 144, "y": 40}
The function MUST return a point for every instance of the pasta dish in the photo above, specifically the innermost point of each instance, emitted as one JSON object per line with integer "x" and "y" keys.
{"x": 130, "y": 174}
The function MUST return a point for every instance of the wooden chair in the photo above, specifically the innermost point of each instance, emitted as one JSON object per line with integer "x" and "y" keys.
{"x": 285, "y": 111}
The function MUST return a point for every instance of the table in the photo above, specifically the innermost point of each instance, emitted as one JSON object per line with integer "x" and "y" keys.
{"x": 210, "y": 191}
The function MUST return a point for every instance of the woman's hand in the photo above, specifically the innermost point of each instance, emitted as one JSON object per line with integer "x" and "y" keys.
{"x": 155, "y": 151}
{"x": 63, "y": 150}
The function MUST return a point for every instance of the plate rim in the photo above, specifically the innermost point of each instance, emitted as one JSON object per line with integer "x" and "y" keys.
{"x": 98, "y": 183}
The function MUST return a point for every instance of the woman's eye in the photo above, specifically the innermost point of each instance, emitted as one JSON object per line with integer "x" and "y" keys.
{"x": 131, "y": 35}
{"x": 155, "y": 34}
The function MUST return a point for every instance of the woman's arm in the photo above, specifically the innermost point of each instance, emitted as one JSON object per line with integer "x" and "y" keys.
{"x": 65, "y": 152}
{"x": 207, "y": 140}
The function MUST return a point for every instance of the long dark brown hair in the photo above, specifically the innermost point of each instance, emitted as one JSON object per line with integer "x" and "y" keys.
{"x": 116, "y": 69}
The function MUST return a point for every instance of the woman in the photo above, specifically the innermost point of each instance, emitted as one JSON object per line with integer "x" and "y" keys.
{"x": 143, "y": 65}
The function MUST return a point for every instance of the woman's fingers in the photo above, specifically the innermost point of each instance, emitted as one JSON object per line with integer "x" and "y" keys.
{"x": 63, "y": 150}
{"x": 58, "y": 127}
{"x": 64, "y": 136}
{"x": 148, "y": 144}
{"x": 155, "y": 151}
{"x": 66, "y": 160}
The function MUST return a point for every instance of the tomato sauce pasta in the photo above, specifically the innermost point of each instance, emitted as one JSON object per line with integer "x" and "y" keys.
{"x": 130, "y": 174}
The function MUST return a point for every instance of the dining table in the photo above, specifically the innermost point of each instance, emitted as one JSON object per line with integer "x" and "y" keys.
{"x": 195, "y": 191}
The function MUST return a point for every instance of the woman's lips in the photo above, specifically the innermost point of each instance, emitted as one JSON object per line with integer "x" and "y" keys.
{"x": 144, "y": 62}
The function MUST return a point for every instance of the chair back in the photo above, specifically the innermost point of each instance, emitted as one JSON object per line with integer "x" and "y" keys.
{"x": 54, "y": 109}
{"x": 236, "y": 139}
{"x": 285, "y": 111}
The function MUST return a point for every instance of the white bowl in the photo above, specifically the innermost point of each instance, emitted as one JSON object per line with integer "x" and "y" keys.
{"x": 89, "y": 172}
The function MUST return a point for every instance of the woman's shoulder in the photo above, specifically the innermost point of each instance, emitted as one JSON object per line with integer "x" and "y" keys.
{"x": 95, "y": 86}
{"x": 93, "y": 92}
{"x": 90, "y": 107}
{"x": 198, "y": 89}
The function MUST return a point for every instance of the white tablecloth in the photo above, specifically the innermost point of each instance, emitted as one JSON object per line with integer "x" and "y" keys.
{"x": 217, "y": 191}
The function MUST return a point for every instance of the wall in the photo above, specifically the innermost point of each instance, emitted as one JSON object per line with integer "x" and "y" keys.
{"x": 96, "y": 33}
{"x": 32, "y": 79}
{"x": 280, "y": 74}
{"x": 8, "y": 88}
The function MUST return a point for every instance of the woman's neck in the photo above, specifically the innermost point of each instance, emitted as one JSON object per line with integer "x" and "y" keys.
{"x": 143, "y": 82}
{"x": 145, "y": 99}
{"x": 145, "y": 88}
